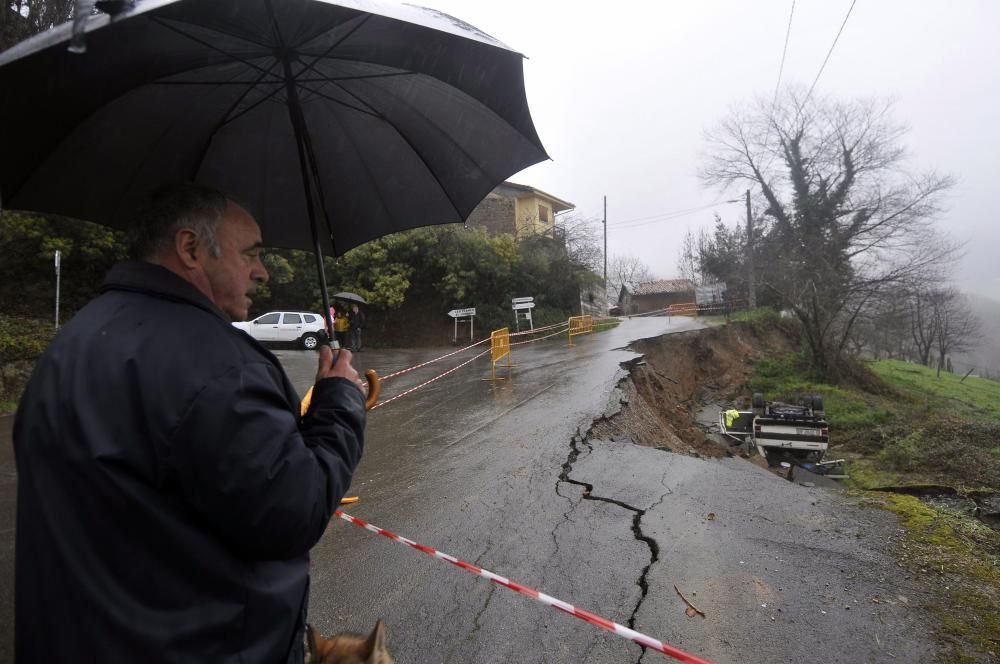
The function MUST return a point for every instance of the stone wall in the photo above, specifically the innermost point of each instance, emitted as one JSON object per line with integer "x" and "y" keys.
{"x": 496, "y": 214}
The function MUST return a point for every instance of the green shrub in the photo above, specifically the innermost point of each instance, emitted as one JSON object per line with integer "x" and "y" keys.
{"x": 23, "y": 338}
{"x": 906, "y": 453}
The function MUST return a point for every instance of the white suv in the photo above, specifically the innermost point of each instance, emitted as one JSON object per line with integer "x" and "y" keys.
{"x": 301, "y": 327}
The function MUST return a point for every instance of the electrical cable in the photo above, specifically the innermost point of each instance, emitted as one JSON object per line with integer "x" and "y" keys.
{"x": 828, "y": 54}
{"x": 665, "y": 216}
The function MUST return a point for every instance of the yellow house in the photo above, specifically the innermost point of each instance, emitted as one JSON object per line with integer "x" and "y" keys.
{"x": 519, "y": 210}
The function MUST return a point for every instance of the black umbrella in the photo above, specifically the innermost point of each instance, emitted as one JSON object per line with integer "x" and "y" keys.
{"x": 347, "y": 296}
{"x": 333, "y": 124}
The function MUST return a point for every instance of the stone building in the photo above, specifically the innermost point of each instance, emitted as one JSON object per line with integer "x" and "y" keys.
{"x": 519, "y": 210}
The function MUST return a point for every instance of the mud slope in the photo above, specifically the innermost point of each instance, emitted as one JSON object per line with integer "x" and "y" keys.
{"x": 677, "y": 375}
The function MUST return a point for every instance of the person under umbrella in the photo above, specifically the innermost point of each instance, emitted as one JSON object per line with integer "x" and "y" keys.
{"x": 357, "y": 321}
{"x": 169, "y": 492}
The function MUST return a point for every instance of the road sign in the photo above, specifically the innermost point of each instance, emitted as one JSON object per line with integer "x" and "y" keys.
{"x": 523, "y": 305}
{"x": 468, "y": 313}
{"x": 520, "y": 300}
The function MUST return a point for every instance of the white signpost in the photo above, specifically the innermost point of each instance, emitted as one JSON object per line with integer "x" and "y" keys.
{"x": 463, "y": 316}
{"x": 58, "y": 261}
{"x": 522, "y": 306}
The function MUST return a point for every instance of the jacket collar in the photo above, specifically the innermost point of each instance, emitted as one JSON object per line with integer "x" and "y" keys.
{"x": 157, "y": 281}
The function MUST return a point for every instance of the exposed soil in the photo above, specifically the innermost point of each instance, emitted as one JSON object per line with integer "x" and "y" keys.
{"x": 678, "y": 375}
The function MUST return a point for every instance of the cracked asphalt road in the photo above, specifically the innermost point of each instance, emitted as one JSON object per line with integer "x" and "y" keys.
{"x": 502, "y": 475}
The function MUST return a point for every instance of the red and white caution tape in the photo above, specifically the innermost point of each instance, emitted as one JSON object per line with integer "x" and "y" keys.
{"x": 531, "y": 341}
{"x": 436, "y": 359}
{"x": 539, "y": 329}
{"x": 548, "y": 600}
{"x": 428, "y": 382}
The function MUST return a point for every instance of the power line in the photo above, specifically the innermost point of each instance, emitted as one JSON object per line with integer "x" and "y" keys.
{"x": 781, "y": 70}
{"x": 664, "y": 216}
{"x": 829, "y": 53}
{"x": 784, "y": 52}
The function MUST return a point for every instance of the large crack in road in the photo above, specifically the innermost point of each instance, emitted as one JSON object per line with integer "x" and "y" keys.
{"x": 589, "y": 494}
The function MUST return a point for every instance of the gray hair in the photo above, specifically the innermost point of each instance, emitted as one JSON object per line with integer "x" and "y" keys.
{"x": 170, "y": 209}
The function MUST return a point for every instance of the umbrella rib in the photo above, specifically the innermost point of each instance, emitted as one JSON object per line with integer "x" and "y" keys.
{"x": 367, "y": 111}
{"x": 251, "y": 107}
{"x": 216, "y": 83}
{"x": 486, "y": 106}
{"x": 311, "y": 66}
{"x": 210, "y": 46}
{"x": 417, "y": 152}
{"x": 328, "y": 79}
{"x": 371, "y": 178}
{"x": 227, "y": 117}
{"x": 360, "y": 77}
{"x": 217, "y": 29}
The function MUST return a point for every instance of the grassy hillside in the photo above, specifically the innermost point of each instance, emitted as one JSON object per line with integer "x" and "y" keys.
{"x": 899, "y": 424}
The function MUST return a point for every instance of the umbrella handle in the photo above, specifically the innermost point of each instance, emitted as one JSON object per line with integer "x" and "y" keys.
{"x": 374, "y": 388}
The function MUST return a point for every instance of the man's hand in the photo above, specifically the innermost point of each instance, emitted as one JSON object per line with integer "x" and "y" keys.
{"x": 342, "y": 368}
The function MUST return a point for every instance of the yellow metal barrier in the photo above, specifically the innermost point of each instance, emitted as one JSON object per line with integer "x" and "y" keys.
{"x": 580, "y": 325}
{"x": 499, "y": 348}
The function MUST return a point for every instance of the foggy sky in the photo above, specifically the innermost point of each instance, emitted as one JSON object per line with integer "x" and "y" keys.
{"x": 621, "y": 93}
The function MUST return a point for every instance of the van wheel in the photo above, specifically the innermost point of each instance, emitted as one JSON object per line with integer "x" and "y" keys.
{"x": 309, "y": 341}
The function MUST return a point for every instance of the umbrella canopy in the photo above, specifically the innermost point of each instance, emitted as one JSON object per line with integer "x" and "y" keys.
{"x": 365, "y": 118}
{"x": 347, "y": 296}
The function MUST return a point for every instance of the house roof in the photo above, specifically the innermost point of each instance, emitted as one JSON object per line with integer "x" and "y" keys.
{"x": 664, "y": 286}
{"x": 558, "y": 204}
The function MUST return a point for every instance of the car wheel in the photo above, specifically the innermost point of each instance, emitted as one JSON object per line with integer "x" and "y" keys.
{"x": 309, "y": 341}
{"x": 817, "y": 406}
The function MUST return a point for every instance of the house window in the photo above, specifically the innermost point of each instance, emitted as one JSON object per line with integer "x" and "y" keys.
{"x": 543, "y": 214}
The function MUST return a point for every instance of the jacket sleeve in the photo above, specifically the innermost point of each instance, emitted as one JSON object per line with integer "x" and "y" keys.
{"x": 267, "y": 482}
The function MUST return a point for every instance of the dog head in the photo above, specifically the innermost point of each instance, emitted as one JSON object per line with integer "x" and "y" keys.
{"x": 349, "y": 648}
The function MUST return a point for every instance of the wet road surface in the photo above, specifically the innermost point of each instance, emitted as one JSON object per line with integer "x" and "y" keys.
{"x": 501, "y": 474}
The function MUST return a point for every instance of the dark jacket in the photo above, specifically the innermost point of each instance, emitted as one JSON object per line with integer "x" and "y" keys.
{"x": 168, "y": 493}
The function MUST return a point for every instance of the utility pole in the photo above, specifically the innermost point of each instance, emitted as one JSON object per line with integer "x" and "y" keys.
{"x": 752, "y": 289}
{"x": 605, "y": 305}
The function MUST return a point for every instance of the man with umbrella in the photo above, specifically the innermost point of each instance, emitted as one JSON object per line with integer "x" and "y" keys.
{"x": 168, "y": 491}
{"x": 340, "y": 122}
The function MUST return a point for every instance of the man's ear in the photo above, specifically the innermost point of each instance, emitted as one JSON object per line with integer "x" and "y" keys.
{"x": 187, "y": 246}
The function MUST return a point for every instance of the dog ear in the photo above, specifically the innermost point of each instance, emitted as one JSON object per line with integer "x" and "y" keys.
{"x": 375, "y": 645}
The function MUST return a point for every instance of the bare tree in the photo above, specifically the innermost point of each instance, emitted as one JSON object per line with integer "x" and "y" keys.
{"x": 626, "y": 270}
{"x": 957, "y": 327}
{"x": 848, "y": 220}
{"x": 688, "y": 263}
{"x": 923, "y": 326}
{"x": 583, "y": 241}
